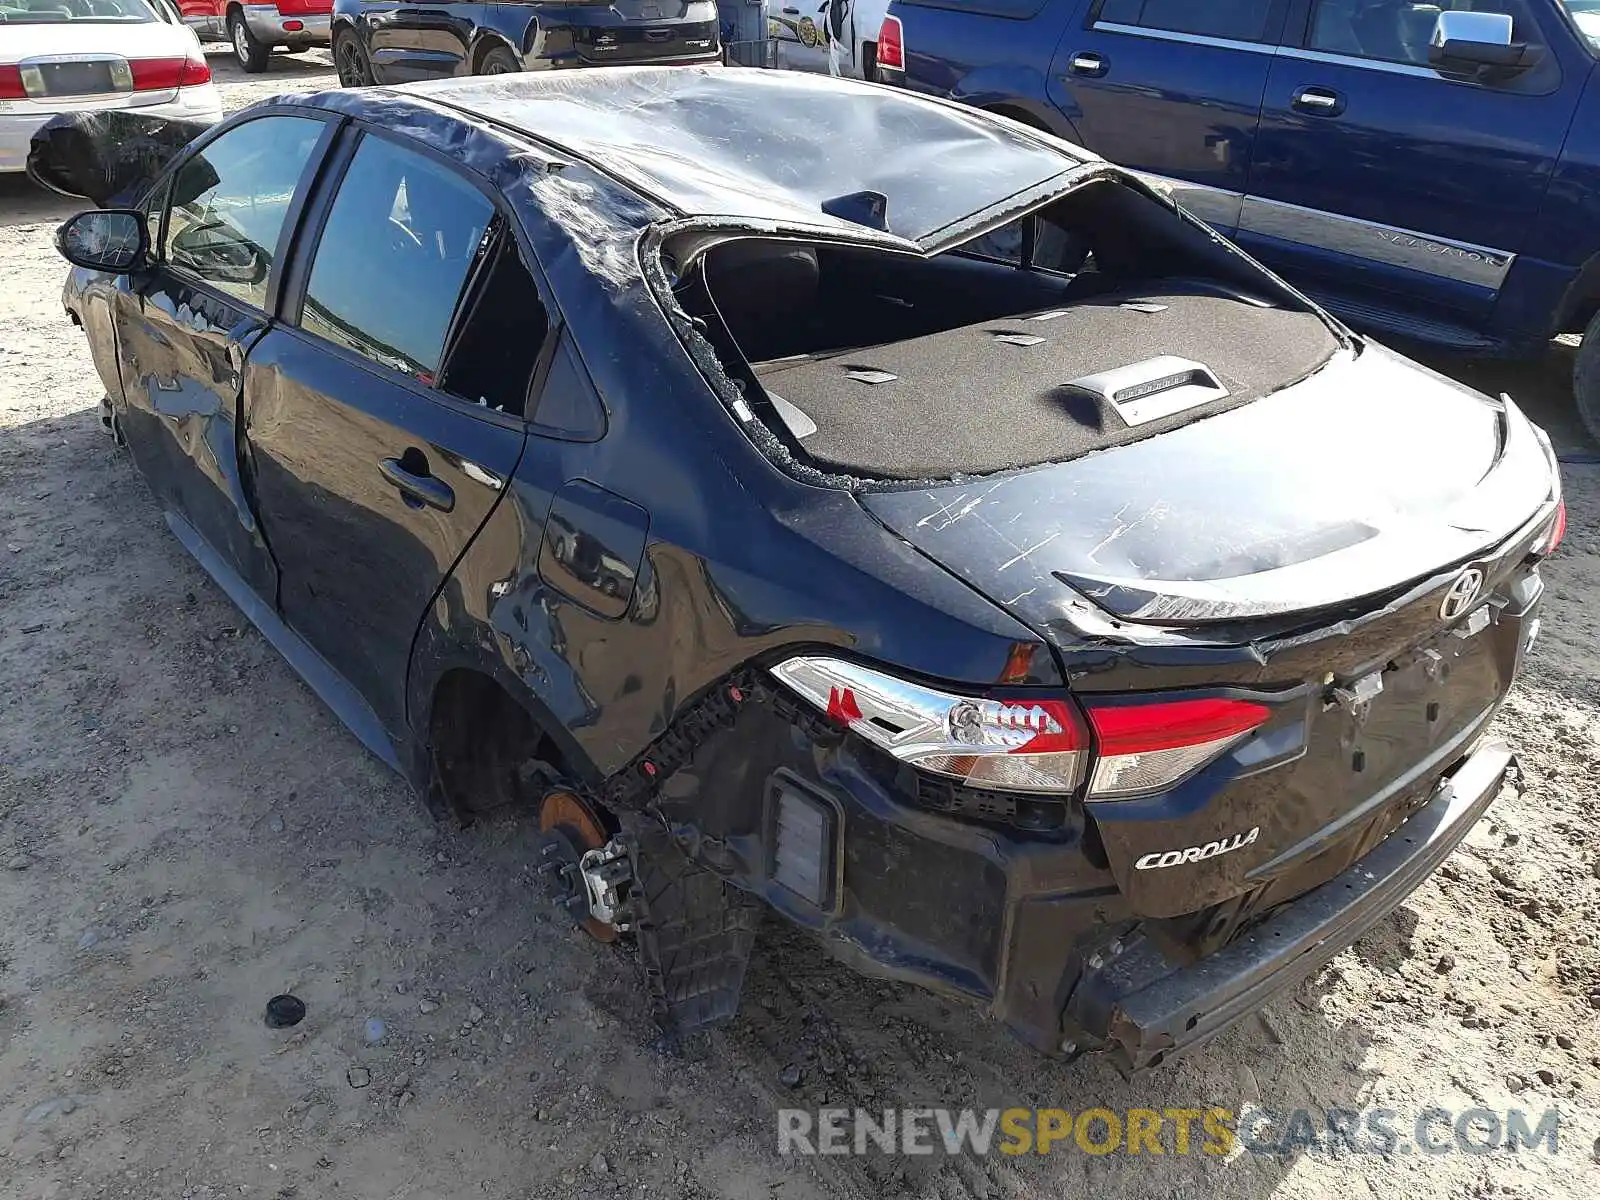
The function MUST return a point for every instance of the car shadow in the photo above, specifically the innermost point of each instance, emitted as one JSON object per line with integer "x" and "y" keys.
{"x": 820, "y": 1036}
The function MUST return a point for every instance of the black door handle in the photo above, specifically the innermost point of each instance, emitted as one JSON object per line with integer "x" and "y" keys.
{"x": 418, "y": 488}
{"x": 791, "y": 12}
{"x": 1089, "y": 64}
{"x": 1320, "y": 102}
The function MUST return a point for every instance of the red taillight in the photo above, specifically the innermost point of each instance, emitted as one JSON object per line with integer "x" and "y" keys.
{"x": 1025, "y": 743}
{"x": 196, "y": 71}
{"x": 293, "y": 26}
{"x": 11, "y": 84}
{"x": 1558, "y": 530}
{"x": 165, "y": 74}
{"x": 1145, "y": 747}
{"x": 892, "y": 45}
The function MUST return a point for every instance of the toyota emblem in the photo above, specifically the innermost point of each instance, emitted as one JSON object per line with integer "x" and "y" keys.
{"x": 1463, "y": 592}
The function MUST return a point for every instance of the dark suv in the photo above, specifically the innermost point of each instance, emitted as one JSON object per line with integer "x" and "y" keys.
{"x": 379, "y": 41}
{"x": 1426, "y": 171}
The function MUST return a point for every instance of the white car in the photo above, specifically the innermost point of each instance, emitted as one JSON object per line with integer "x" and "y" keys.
{"x": 838, "y": 37}
{"x": 85, "y": 55}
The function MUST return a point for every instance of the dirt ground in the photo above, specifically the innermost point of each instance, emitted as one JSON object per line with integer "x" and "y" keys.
{"x": 185, "y": 831}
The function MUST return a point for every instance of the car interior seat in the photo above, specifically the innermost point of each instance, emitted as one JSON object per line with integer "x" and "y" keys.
{"x": 763, "y": 291}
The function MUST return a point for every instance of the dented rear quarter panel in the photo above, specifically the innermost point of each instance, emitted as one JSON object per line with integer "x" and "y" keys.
{"x": 740, "y": 561}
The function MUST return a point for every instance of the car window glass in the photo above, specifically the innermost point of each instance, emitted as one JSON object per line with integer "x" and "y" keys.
{"x": 1397, "y": 30}
{"x": 45, "y": 12}
{"x": 567, "y": 406}
{"x": 400, "y": 239}
{"x": 1586, "y": 16}
{"x": 229, "y": 203}
{"x": 492, "y": 359}
{"x": 1054, "y": 249}
{"x": 1236, "y": 20}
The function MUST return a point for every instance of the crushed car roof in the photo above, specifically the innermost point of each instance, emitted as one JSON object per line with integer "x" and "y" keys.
{"x": 777, "y": 146}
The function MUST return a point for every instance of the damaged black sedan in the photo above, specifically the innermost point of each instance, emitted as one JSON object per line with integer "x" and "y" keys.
{"x": 804, "y": 495}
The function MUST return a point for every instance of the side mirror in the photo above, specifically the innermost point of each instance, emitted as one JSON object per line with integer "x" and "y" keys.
{"x": 113, "y": 239}
{"x": 1478, "y": 42}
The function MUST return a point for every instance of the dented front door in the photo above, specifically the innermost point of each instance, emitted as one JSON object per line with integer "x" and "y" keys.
{"x": 183, "y": 351}
{"x": 187, "y": 325}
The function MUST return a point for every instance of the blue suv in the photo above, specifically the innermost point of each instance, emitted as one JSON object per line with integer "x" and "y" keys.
{"x": 1426, "y": 171}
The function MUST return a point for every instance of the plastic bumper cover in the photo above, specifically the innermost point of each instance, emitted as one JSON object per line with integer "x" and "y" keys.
{"x": 1147, "y": 1011}
{"x": 269, "y": 25}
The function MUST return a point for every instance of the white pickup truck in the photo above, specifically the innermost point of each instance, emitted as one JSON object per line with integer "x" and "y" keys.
{"x": 839, "y": 37}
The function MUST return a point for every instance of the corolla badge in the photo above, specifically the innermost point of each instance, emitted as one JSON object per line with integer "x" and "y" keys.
{"x": 1194, "y": 854}
{"x": 1462, "y": 593}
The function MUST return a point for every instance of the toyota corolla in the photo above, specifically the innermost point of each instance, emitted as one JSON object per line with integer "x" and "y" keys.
{"x": 931, "y": 534}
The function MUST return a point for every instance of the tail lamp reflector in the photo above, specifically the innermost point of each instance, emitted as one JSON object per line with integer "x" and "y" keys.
{"x": 804, "y": 834}
{"x": 1558, "y": 530}
{"x": 891, "y": 45}
{"x": 165, "y": 74}
{"x": 1026, "y": 745}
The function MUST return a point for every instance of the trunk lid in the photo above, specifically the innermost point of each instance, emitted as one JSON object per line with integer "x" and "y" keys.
{"x": 1301, "y": 551}
{"x": 1371, "y": 473}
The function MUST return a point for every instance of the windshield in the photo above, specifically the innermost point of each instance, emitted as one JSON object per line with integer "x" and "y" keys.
{"x": 1586, "y": 14}
{"x": 40, "y": 12}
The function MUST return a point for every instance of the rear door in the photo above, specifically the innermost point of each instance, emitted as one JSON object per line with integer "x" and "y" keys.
{"x": 203, "y": 16}
{"x": 186, "y": 326}
{"x": 1172, "y": 89}
{"x": 1381, "y": 183}
{"x": 801, "y": 30}
{"x": 384, "y": 417}
{"x": 419, "y": 41}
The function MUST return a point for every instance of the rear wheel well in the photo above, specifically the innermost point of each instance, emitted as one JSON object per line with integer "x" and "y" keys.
{"x": 485, "y": 745}
{"x": 487, "y": 44}
{"x": 1579, "y": 314}
{"x": 1582, "y": 301}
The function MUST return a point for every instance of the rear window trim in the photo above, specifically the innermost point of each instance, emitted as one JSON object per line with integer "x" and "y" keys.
{"x": 1271, "y": 38}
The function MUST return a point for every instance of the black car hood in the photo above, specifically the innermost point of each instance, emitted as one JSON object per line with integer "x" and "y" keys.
{"x": 1367, "y": 475}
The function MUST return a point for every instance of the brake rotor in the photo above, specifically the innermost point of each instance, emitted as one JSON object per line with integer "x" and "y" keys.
{"x": 570, "y": 827}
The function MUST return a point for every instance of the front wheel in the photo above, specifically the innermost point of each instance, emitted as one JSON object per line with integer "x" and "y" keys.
{"x": 351, "y": 61}
{"x": 251, "y": 52}
{"x": 499, "y": 61}
{"x": 1586, "y": 379}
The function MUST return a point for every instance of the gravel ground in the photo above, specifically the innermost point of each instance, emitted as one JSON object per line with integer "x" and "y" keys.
{"x": 185, "y": 831}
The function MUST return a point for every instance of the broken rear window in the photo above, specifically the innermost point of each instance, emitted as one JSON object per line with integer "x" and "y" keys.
{"x": 1103, "y": 319}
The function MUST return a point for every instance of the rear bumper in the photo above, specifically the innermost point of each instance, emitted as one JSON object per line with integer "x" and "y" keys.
{"x": 269, "y": 25}
{"x": 203, "y": 104}
{"x": 1147, "y": 1011}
